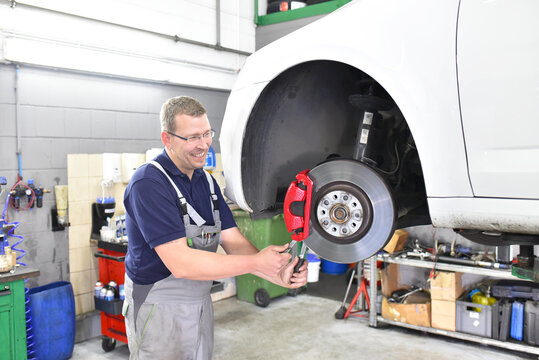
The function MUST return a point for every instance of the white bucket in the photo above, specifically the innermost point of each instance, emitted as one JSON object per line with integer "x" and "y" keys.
{"x": 313, "y": 268}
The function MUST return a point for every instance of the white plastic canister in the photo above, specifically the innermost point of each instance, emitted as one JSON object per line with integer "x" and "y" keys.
{"x": 313, "y": 268}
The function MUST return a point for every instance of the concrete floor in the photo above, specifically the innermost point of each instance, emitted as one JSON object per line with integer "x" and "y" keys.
{"x": 304, "y": 327}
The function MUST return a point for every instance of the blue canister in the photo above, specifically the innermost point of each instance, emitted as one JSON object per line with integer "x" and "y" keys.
{"x": 122, "y": 292}
{"x": 333, "y": 268}
{"x": 51, "y": 316}
{"x": 109, "y": 295}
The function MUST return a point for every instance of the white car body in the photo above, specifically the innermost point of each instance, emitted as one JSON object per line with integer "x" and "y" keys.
{"x": 464, "y": 74}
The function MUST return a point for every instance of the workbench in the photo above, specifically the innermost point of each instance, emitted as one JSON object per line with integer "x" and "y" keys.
{"x": 12, "y": 312}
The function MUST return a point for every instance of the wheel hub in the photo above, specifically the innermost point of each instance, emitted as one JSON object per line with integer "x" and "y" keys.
{"x": 340, "y": 213}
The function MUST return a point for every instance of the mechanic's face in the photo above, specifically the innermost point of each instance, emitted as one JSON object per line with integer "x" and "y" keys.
{"x": 188, "y": 156}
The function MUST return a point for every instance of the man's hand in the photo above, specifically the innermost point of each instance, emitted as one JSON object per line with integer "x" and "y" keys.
{"x": 285, "y": 275}
{"x": 271, "y": 261}
{"x": 293, "y": 280}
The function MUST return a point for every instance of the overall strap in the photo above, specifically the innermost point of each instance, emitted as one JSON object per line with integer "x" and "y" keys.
{"x": 187, "y": 209}
{"x": 214, "y": 199}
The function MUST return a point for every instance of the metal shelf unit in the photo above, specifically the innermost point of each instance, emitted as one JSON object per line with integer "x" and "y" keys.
{"x": 374, "y": 318}
{"x": 499, "y": 273}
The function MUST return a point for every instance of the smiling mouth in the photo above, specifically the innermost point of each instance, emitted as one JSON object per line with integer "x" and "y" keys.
{"x": 199, "y": 155}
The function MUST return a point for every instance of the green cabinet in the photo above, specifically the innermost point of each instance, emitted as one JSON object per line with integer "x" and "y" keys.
{"x": 12, "y": 320}
{"x": 13, "y": 313}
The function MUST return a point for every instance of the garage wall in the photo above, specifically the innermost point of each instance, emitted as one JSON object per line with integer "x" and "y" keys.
{"x": 197, "y": 43}
{"x": 64, "y": 113}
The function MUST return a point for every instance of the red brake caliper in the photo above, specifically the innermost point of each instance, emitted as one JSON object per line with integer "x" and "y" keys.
{"x": 297, "y": 206}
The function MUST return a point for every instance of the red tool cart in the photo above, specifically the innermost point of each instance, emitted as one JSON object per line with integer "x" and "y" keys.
{"x": 111, "y": 268}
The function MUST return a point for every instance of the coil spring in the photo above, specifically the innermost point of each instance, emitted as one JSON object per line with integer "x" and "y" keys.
{"x": 30, "y": 344}
{"x": 29, "y": 329}
{"x": 14, "y": 246}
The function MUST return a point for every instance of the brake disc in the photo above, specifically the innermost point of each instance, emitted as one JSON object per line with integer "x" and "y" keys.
{"x": 352, "y": 211}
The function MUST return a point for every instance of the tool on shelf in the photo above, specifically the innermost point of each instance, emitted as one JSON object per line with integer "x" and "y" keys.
{"x": 400, "y": 296}
{"x": 423, "y": 254}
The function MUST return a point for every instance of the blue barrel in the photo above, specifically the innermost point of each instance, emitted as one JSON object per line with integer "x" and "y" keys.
{"x": 52, "y": 311}
{"x": 332, "y": 268}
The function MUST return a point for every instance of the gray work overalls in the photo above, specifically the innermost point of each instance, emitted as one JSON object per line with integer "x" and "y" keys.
{"x": 173, "y": 318}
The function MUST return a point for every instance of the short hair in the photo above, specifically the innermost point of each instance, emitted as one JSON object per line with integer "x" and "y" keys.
{"x": 179, "y": 105}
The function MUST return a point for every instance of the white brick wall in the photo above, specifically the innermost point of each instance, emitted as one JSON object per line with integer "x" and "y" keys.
{"x": 48, "y": 37}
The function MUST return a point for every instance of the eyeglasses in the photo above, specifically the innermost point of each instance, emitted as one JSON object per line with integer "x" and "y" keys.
{"x": 195, "y": 138}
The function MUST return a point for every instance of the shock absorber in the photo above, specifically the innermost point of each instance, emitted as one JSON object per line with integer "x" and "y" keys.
{"x": 370, "y": 101}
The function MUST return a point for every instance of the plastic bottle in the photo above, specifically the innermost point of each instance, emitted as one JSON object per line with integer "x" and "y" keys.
{"x": 491, "y": 299}
{"x": 479, "y": 298}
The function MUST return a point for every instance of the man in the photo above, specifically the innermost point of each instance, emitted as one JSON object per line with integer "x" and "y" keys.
{"x": 176, "y": 217}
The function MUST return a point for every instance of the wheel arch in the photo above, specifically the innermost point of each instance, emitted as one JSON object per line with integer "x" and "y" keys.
{"x": 302, "y": 117}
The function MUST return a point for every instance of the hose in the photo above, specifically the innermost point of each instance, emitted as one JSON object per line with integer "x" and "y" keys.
{"x": 29, "y": 329}
{"x": 30, "y": 344}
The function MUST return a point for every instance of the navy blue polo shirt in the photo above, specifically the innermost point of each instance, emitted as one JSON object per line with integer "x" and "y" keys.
{"x": 153, "y": 215}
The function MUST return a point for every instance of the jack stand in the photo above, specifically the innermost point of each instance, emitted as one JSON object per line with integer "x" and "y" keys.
{"x": 343, "y": 312}
{"x": 362, "y": 290}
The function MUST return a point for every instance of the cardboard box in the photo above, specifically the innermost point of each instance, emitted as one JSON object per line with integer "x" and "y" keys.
{"x": 390, "y": 279}
{"x": 443, "y": 314}
{"x": 397, "y": 242}
{"x": 414, "y": 314}
{"x": 446, "y": 286}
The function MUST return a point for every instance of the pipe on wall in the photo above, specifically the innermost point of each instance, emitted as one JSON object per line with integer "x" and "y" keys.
{"x": 175, "y": 38}
{"x": 77, "y": 45}
{"x": 17, "y": 118}
{"x": 218, "y": 22}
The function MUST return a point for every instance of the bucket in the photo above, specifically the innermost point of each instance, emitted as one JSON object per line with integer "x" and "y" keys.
{"x": 332, "y": 268}
{"x": 52, "y": 309}
{"x": 313, "y": 268}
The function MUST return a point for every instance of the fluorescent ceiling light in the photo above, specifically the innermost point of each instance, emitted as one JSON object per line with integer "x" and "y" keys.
{"x": 40, "y": 53}
{"x": 104, "y": 61}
